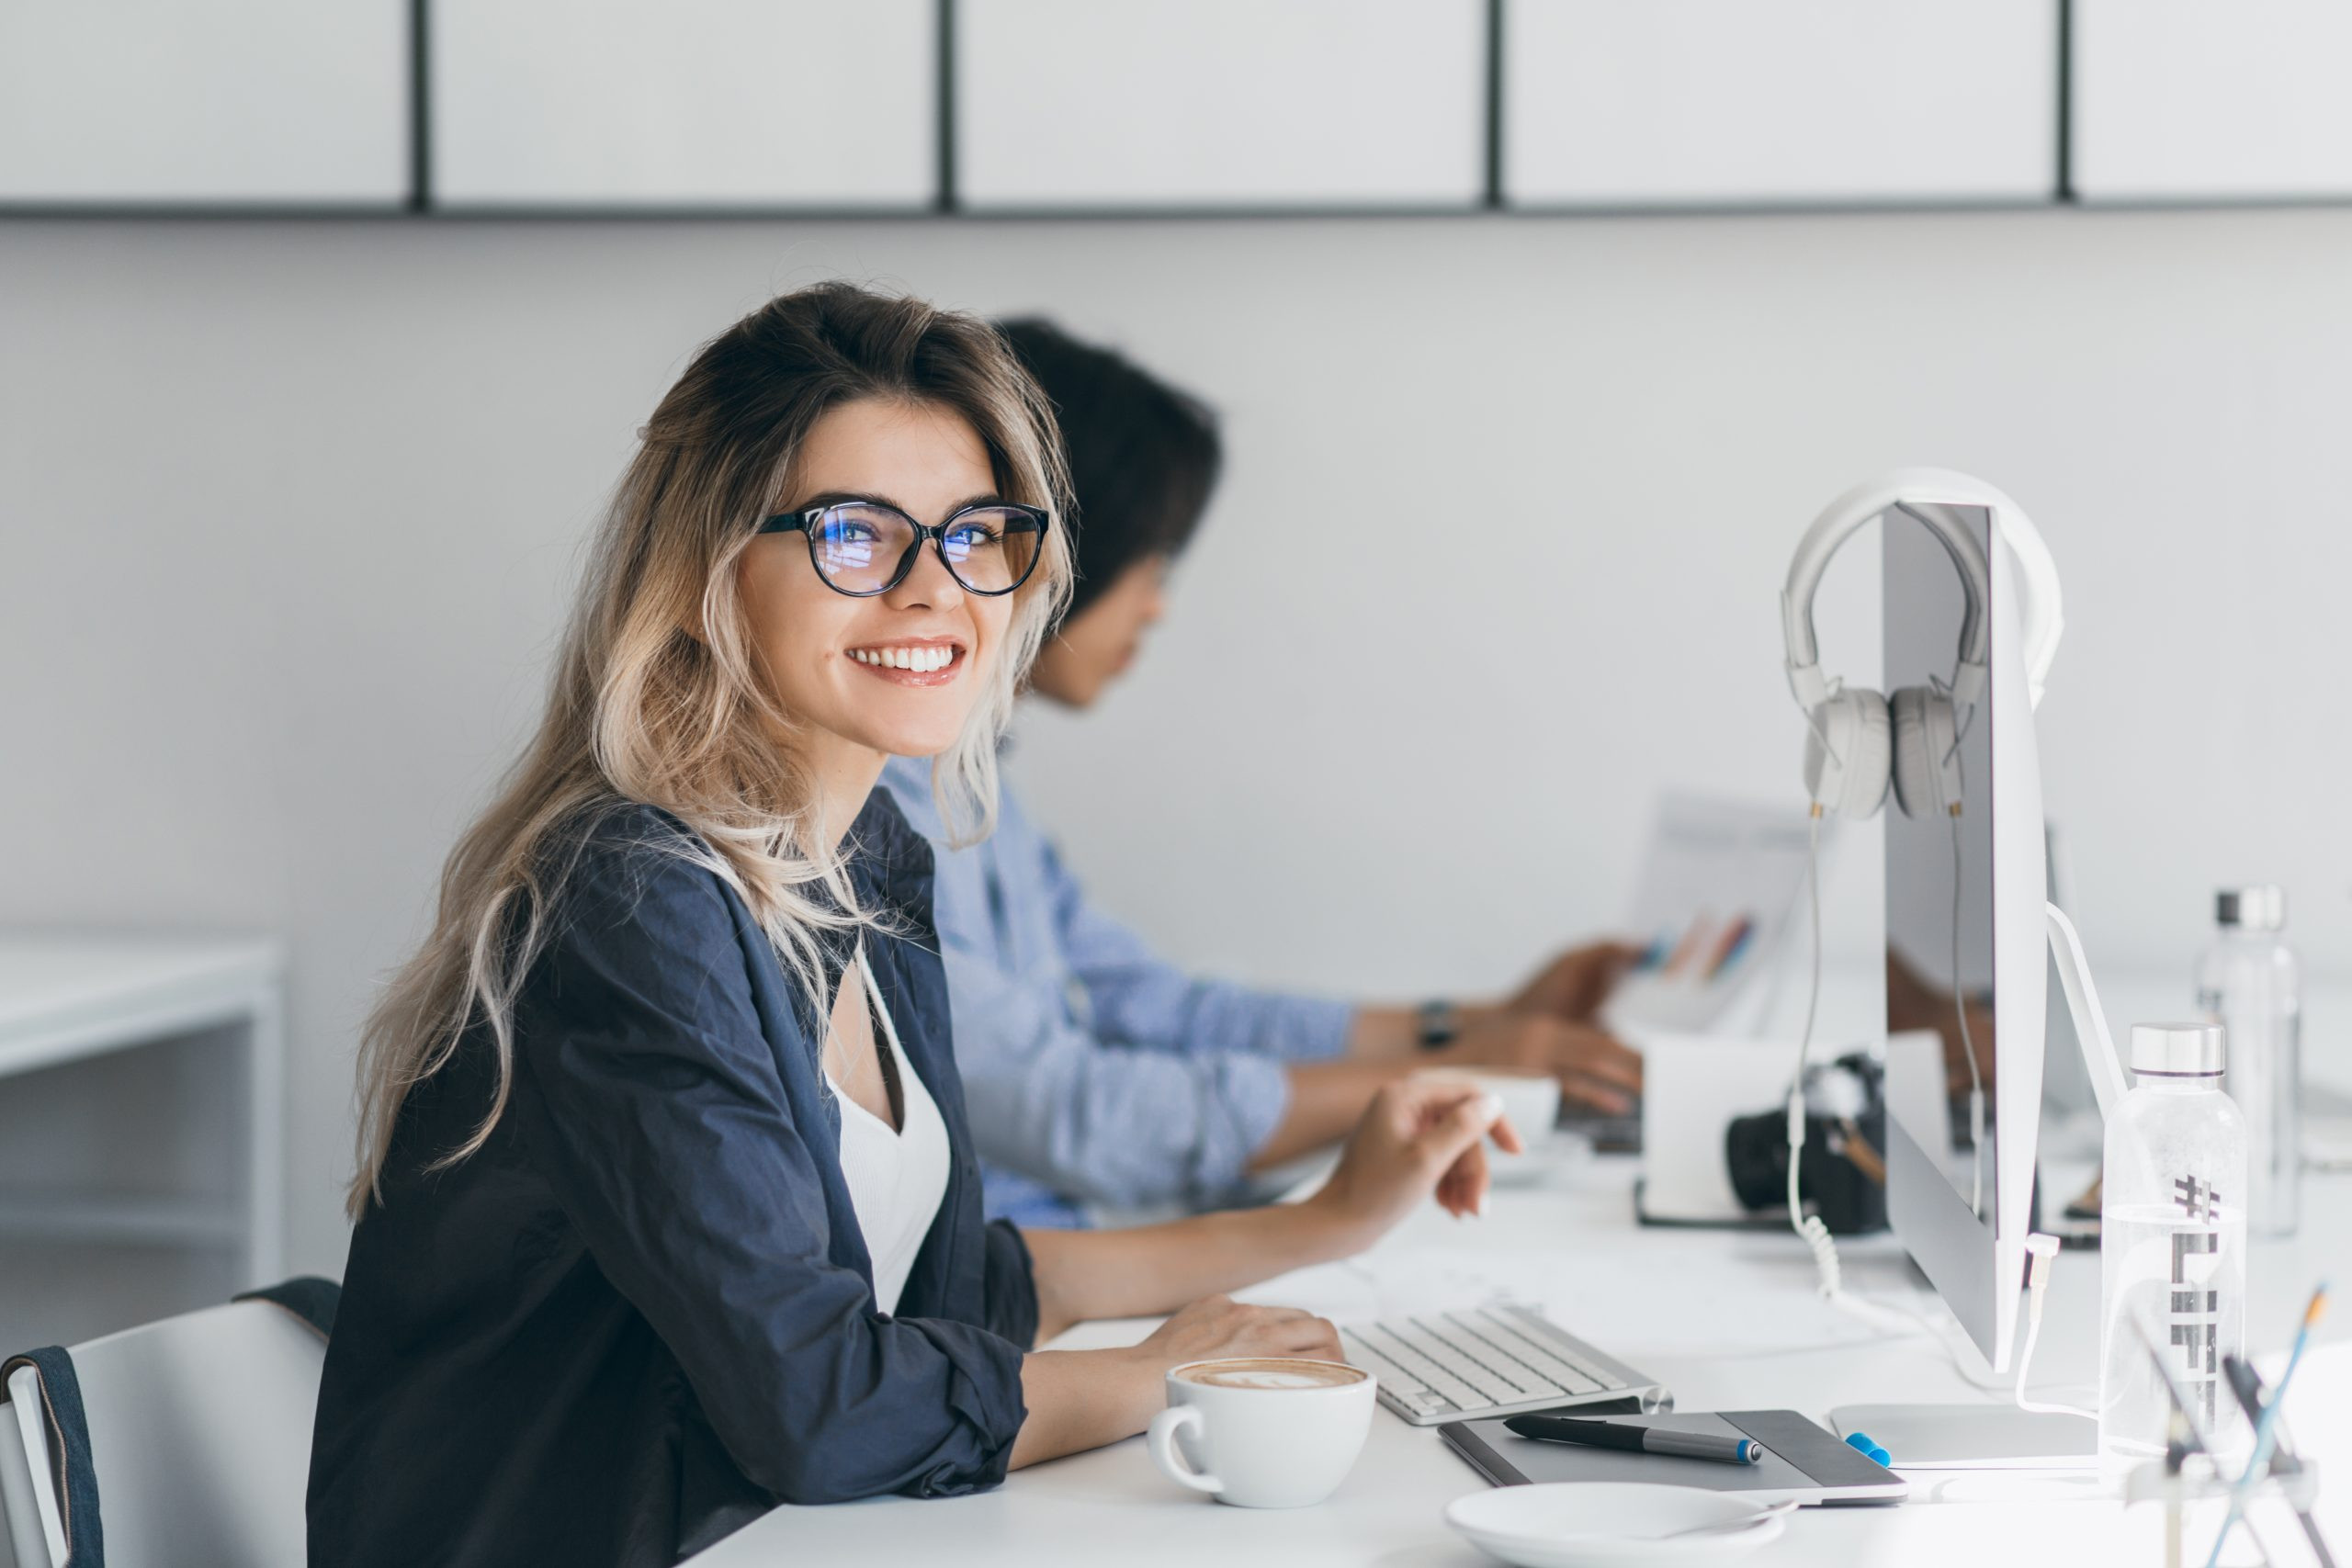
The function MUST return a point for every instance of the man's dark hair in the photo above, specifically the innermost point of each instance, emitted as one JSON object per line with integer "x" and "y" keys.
{"x": 1143, "y": 455}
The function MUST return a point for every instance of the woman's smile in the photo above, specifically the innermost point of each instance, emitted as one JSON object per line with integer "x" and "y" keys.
{"x": 912, "y": 661}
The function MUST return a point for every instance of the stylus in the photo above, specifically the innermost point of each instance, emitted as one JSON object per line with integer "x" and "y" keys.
{"x": 1638, "y": 1440}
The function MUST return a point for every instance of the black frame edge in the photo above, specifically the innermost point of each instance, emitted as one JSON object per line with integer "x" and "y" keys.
{"x": 2065, "y": 192}
{"x": 1495, "y": 104}
{"x": 419, "y": 106}
{"x": 944, "y": 99}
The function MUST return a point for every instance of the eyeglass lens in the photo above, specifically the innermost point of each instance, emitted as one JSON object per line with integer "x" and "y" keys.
{"x": 989, "y": 550}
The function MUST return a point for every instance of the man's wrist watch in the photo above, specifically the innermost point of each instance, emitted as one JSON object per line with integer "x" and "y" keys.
{"x": 1437, "y": 1024}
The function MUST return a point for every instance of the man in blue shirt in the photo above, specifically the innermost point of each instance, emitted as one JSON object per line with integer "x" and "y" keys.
{"x": 1095, "y": 1073}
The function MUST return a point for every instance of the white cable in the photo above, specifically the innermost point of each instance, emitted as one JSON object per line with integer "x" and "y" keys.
{"x": 2039, "y": 1250}
{"x": 1967, "y": 1045}
{"x": 1810, "y": 1228}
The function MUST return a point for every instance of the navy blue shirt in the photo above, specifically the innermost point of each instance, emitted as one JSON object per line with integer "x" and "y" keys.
{"x": 643, "y": 1314}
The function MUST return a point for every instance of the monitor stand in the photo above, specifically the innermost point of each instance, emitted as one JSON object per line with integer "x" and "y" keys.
{"x": 1972, "y": 1436}
{"x": 2002, "y": 1436}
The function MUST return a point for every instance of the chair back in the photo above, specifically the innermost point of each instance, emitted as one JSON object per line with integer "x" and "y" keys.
{"x": 196, "y": 1440}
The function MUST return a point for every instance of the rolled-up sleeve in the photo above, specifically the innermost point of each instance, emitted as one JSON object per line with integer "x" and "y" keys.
{"x": 648, "y": 1093}
{"x": 1012, "y": 1285}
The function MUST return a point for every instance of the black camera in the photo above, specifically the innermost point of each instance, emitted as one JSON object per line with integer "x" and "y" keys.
{"x": 1841, "y": 1171}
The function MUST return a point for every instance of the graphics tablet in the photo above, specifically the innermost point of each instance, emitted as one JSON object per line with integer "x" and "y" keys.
{"x": 1803, "y": 1462}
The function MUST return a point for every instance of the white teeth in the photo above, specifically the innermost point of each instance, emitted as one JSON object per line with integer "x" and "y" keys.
{"x": 919, "y": 661}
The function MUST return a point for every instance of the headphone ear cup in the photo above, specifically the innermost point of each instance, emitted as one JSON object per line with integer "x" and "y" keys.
{"x": 1927, "y": 752}
{"x": 1846, "y": 753}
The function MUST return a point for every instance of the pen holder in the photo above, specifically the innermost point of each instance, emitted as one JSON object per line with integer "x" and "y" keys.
{"x": 2200, "y": 1500}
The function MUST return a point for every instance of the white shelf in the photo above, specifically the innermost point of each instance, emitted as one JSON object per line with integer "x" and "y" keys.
{"x": 691, "y": 103}
{"x": 1666, "y": 103}
{"x": 62, "y": 996}
{"x": 238, "y": 102}
{"x": 1157, "y": 105}
{"x": 67, "y": 998}
{"x": 2186, "y": 100}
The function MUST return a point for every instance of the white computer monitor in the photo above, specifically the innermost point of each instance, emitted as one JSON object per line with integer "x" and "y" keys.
{"x": 1966, "y": 938}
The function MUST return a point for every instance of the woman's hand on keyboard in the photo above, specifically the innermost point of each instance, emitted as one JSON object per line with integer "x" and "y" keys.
{"x": 1420, "y": 1138}
{"x": 1217, "y": 1327}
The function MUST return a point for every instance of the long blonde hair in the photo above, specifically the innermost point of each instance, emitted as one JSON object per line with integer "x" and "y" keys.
{"x": 656, "y": 699}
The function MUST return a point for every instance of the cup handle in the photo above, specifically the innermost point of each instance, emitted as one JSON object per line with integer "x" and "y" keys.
{"x": 1160, "y": 1439}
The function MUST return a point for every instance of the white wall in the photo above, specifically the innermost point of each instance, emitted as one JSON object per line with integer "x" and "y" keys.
{"x": 285, "y": 511}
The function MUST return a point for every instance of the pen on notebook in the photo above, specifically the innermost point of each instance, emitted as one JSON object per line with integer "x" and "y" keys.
{"x": 1637, "y": 1440}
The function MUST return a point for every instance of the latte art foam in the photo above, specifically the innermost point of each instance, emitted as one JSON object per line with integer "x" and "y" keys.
{"x": 1271, "y": 1372}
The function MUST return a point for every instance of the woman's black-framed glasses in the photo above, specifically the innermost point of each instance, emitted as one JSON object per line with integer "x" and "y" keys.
{"x": 864, "y": 547}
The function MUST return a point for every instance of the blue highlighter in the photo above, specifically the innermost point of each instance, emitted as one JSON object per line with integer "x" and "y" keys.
{"x": 1865, "y": 1445}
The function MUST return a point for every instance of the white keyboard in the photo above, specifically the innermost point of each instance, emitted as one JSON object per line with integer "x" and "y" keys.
{"x": 1496, "y": 1360}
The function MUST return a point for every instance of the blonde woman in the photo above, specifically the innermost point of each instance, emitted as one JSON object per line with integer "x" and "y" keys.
{"x": 667, "y": 1210}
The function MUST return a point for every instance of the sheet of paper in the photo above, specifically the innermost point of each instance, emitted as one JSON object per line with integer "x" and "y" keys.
{"x": 1718, "y": 880}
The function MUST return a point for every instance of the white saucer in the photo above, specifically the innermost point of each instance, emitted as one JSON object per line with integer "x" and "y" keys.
{"x": 1607, "y": 1524}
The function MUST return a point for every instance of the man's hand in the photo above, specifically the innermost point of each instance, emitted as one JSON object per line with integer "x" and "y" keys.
{"x": 1573, "y": 987}
{"x": 1913, "y": 1002}
{"x": 1593, "y": 1069}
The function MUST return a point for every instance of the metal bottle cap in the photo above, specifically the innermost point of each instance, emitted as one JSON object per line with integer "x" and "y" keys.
{"x": 2180, "y": 1050}
{"x": 2251, "y": 908}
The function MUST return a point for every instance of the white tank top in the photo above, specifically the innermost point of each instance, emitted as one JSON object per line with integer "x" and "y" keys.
{"x": 897, "y": 1178}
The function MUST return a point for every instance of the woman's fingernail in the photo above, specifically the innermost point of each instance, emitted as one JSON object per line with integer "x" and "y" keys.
{"x": 1491, "y": 1107}
{"x": 1478, "y": 1207}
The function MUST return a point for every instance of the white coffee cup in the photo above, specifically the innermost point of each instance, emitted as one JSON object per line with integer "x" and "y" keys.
{"x": 1263, "y": 1431}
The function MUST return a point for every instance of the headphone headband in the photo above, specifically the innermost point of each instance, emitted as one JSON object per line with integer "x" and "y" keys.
{"x": 1922, "y": 494}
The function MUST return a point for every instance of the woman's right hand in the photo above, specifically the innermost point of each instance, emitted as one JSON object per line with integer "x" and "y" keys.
{"x": 1422, "y": 1138}
{"x": 1081, "y": 1399}
{"x": 1217, "y": 1327}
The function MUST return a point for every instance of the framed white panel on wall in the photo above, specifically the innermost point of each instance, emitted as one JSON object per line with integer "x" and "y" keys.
{"x": 239, "y": 103}
{"x": 2181, "y": 100}
{"x": 1138, "y": 105}
{"x": 686, "y": 104}
{"x": 1667, "y": 103}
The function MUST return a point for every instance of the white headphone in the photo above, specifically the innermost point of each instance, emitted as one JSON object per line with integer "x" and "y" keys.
{"x": 1861, "y": 742}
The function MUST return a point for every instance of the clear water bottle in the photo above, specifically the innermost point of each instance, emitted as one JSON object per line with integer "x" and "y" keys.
{"x": 2172, "y": 1243}
{"x": 2248, "y": 982}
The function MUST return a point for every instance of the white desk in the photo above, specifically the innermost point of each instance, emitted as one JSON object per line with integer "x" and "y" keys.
{"x": 1680, "y": 1304}
{"x": 1729, "y": 1321}
{"x": 66, "y": 1000}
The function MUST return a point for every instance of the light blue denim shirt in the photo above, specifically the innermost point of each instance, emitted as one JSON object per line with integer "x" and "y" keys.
{"x": 1095, "y": 1072}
